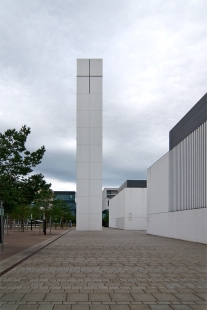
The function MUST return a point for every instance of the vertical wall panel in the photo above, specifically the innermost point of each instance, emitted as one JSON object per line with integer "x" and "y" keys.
{"x": 188, "y": 172}
{"x": 205, "y": 163}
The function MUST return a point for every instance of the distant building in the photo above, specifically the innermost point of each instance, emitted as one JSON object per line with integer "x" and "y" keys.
{"x": 128, "y": 209}
{"x": 69, "y": 198}
{"x": 107, "y": 195}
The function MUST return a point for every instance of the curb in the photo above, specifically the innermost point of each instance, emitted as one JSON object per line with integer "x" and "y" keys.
{"x": 13, "y": 261}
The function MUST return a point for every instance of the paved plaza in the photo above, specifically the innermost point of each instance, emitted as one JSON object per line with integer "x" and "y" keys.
{"x": 108, "y": 270}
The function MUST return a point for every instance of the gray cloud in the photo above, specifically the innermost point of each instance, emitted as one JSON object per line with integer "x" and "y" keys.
{"x": 153, "y": 55}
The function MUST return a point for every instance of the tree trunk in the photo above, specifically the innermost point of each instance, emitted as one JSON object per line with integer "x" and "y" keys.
{"x": 44, "y": 226}
{"x": 22, "y": 224}
{"x": 10, "y": 223}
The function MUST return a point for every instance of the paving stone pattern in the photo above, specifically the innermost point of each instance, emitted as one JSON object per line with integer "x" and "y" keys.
{"x": 109, "y": 270}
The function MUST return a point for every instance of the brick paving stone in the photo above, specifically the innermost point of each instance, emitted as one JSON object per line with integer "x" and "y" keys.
{"x": 200, "y": 290}
{"x": 33, "y": 297}
{"x": 143, "y": 297}
{"x": 120, "y": 291}
{"x": 74, "y": 291}
{"x": 80, "y": 307}
{"x": 128, "y": 267}
{"x": 121, "y": 297}
{"x": 7, "y": 290}
{"x": 181, "y": 307}
{"x": 202, "y": 295}
{"x": 150, "y": 291}
{"x": 37, "y": 291}
{"x": 27, "y": 307}
{"x": 77, "y": 297}
{"x": 82, "y": 290}
{"x": 139, "y": 307}
{"x": 55, "y": 297}
{"x": 23, "y": 290}
{"x": 165, "y": 297}
{"x": 198, "y": 307}
{"x": 188, "y": 297}
{"x": 99, "y": 307}
{"x": 184, "y": 290}
{"x": 168, "y": 291}
{"x": 55, "y": 291}
{"x": 45, "y": 307}
{"x": 100, "y": 291}
{"x": 119, "y": 307}
{"x": 62, "y": 307}
{"x": 9, "y": 307}
{"x": 12, "y": 297}
{"x": 99, "y": 297}
{"x": 160, "y": 307}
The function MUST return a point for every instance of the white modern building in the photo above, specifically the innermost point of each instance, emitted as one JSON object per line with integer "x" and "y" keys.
{"x": 107, "y": 195}
{"x": 177, "y": 184}
{"x": 128, "y": 209}
{"x": 89, "y": 145}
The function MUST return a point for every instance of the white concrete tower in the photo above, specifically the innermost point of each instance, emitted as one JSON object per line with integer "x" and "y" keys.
{"x": 89, "y": 145}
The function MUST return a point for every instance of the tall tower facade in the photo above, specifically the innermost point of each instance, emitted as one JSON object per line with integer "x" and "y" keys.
{"x": 89, "y": 145}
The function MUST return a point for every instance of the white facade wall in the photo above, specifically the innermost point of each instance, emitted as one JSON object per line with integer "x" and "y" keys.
{"x": 128, "y": 209}
{"x": 89, "y": 145}
{"x": 107, "y": 198}
{"x": 187, "y": 225}
{"x": 176, "y": 187}
{"x": 158, "y": 196}
{"x": 158, "y": 185}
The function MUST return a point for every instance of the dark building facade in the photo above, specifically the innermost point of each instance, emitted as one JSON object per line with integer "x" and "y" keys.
{"x": 133, "y": 184}
{"x": 189, "y": 123}
{"x": 69, "y": 198}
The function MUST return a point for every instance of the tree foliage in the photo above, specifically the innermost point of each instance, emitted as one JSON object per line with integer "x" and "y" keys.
{"x": 44, "y": 200}
{"x": 45, "y": 205}
{"x": 22, "y": 213}
{"x": 17, "y": 185}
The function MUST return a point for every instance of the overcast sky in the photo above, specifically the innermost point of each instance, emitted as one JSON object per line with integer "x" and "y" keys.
{"x": 154, "y": 71}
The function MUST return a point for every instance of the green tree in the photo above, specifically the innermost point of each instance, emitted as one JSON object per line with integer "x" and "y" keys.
{"x": 105, "y": 219}
{"x": 46, "y": 205}
{"x": 43, "y": 202}
{"x": 21, "y": 212}
{"x": 61, "y": 210}
{"x": 17, "y": 186}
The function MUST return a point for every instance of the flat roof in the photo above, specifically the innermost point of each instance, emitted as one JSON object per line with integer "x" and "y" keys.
{"x": 133, "y": 184}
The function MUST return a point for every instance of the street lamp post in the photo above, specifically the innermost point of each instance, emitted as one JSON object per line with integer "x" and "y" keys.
{"x": 2, "y": 226}
{"x": 44, "y": 224}
{"x": 31, "y": 221}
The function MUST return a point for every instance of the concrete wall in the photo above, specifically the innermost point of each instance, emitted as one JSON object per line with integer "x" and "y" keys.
{"x": 128, "y": 209}
{"x": 187, "y": 225}
{"x": 89, "y": 145}
{"x": 158, "y": 186}
{"x": 176, "y": 189}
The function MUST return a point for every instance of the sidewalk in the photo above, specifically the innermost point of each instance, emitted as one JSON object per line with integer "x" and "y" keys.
{"x": 16, "y": 241}
{"x": 19, "y": 246}
{"x": 109, "y": 270}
